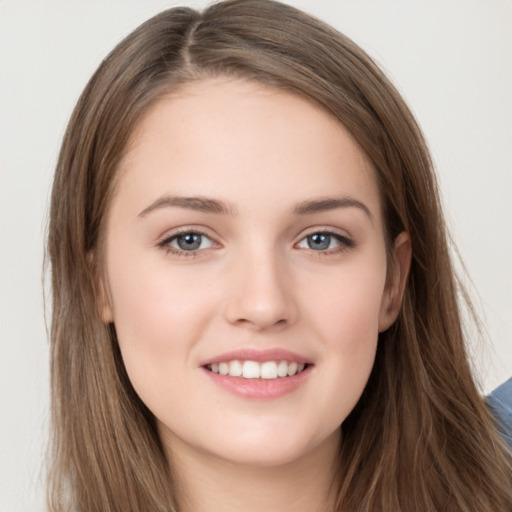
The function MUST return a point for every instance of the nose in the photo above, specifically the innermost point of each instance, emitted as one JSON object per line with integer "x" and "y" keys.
{"x": 261, "y": 294}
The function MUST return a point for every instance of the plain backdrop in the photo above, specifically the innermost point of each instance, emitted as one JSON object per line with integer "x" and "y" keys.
{"x": 452, "y": 60}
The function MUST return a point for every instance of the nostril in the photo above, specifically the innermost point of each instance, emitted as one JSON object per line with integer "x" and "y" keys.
{"x": 261, "y": 323}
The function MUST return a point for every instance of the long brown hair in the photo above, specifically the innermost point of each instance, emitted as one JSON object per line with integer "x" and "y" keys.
{"x": 421, "y": 437}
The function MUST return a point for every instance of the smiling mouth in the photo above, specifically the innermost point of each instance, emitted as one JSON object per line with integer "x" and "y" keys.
{"x": 255, "y": 370}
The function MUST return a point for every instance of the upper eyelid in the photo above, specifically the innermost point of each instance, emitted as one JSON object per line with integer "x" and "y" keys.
{"x": 342, "y": 233}
{"x": 166, "y": 241}
{"x": 345, "y": 240}
{"x": 207, "y": 232}
{"x": 170, "y": 234}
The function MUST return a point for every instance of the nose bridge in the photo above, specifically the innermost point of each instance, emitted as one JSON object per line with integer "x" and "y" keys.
{"x": 261, "y": 294}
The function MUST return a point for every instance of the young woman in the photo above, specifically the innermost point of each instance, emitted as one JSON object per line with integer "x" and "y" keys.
{"x": 254, "y": 306}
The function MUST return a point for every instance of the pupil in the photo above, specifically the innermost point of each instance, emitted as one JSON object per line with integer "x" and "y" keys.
{"x": 189, "y": 242}
{"x": 319, "y": 241}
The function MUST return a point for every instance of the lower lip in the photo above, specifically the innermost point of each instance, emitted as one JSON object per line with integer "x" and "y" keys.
{"x": 263, "y": 389}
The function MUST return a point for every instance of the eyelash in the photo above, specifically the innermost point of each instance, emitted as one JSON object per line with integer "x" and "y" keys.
{"x": 344, "y": 242}
{"x": 182, "y": 253}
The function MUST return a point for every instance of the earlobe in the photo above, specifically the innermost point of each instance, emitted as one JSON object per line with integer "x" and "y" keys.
{"x": 395, "y": 287}
{"x": 103, "y": 302}
{"x": 101, "y": 297}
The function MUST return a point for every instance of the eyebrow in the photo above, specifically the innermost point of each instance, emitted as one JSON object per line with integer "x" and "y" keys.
{"x": 330, "y": 203}
{"x": 202, "y": 204}
{"x": 208, "y": 205}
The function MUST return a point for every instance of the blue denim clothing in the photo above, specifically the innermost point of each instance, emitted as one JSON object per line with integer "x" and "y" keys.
{"x": 500, "y": 403}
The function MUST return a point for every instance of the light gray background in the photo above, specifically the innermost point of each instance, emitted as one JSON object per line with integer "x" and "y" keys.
{"x": 450, "y": 59}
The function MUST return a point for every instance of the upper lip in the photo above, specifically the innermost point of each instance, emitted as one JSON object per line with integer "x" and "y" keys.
{"x": 257, "y": 355}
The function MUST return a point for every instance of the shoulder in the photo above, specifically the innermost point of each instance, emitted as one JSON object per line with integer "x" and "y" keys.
{"x": 500, "y": 404}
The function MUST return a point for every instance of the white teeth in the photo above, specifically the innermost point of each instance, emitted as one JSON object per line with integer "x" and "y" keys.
{"x": 292, "y": 368}
{"x": 235, "y": 369}
{"x": 269, "y": 370}
{"x": 251, "y": 370}
{"x": 282, "y": 369}
{"x": 254, "y": 370}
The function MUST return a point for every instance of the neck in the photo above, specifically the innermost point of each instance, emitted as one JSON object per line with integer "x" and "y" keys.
{"x": 209, "y": 484}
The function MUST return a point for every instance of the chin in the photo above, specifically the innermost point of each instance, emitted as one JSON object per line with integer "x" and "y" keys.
{"x": 269, "y": 449}
{"x": 262, "y": 456}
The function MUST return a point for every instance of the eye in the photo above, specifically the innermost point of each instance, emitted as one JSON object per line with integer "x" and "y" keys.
{"x": 189, "y": 241}
{"x": 325, "y": 241}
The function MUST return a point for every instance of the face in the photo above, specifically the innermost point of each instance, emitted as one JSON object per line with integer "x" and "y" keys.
{"x": 246, "y": 272}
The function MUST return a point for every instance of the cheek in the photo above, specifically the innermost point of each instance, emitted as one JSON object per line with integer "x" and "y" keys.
{"x": 157, "y": 318}
{"x": 347, "y": 304}
{"x": 347, "y": 317}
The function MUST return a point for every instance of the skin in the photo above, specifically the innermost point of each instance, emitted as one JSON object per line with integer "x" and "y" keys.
{"x": 254, "y": 282}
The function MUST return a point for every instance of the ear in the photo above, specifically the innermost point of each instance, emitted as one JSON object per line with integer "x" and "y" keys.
{"x": 103, "y": 302}
{"x": 397, "y": 279}
{"x": 101, "y": 296}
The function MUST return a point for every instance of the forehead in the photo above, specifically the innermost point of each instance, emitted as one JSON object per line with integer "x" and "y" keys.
{"x": 235, "y": 138}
